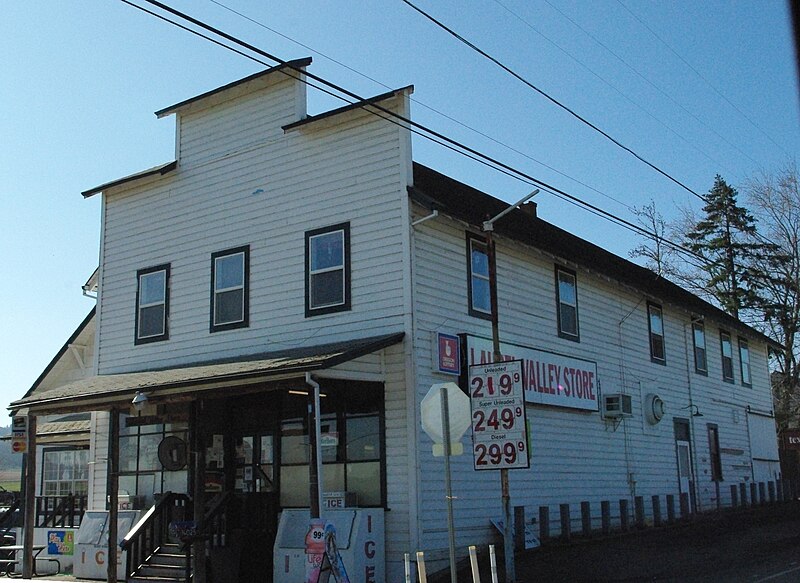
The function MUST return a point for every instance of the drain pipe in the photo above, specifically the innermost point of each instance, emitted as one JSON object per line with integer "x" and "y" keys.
{"x": 317, "y": 445}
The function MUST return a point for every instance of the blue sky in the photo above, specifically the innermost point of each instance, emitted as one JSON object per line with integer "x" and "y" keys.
{"x": 696, "y": 88}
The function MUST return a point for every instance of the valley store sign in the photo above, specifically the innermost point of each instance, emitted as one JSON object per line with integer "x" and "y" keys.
{"x": 550, "y": 378}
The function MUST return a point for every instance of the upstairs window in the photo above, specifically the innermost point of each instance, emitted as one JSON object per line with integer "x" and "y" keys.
{"x": 328, "y": 270}
{"x": 699, "y": 336}
{"x": 655, "y": 319}
{"x": 152, "y": 304}
{"x": 230, "y": 274}
{"x": 727, "y": 356}
{"x": 480, "y": 303}
{"x": 744, "y": 361}
{"x": 567, "y": 303}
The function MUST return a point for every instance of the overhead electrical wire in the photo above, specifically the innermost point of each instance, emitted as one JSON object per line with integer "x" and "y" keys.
{"x": 703, "y": 77}
{"x": 546, "y": 95}
{"x": 400, "y": 120}
{"x": 426, "y": 106}
{"x": 608, "y": 84}
{"x": 633, "y": 69}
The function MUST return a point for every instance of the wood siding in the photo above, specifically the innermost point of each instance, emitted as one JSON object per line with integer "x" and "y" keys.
{"x": 576, "y": 456}
{"x": 242, "y": 181}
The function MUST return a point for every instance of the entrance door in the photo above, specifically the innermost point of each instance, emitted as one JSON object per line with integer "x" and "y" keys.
{"x": 683, "y": 451}
{"x": 684, "y": 465}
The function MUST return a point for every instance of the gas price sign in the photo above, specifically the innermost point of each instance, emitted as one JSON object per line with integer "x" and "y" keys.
{"x": 499, "y": 436}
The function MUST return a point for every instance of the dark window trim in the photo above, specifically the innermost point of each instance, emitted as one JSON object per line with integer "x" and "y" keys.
{"x": 653, "y": 358}
{"x": 722, "y": 335}
{"x": 746, "y": 342}
{"x": 567, "y": 335}
{"x": 715, "y": 457}
{"x": 697, "y": 369}
{"x": 245, "y": 322}
{"x": 347, "y": 304}
{"x": 472, "y": 311}
{"x": 160, "y": 337}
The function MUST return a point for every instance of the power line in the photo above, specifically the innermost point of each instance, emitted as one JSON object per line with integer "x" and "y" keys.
{"x": 703, "y": 77}
{"x": 400, "y": 120}
{"x": 653, "y": 85}
{"x": 607, "y": 83}
{"x": 430, "y": 108}
{"x": 550, "y": 98}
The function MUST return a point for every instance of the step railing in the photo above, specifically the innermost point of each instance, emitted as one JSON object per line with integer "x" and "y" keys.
{"x": 151, "y": 532}
{"x": 215, "y": 520}
{"x": 60, "y": 511}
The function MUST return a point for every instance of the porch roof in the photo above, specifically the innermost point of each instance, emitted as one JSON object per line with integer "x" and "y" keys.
{"x": 105, "y": 391}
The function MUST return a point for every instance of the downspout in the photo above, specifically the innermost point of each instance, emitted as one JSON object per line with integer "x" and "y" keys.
{"x": 317, "y": 446}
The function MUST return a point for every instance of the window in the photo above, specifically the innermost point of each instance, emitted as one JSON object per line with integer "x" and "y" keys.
{"x": 727, "y": 356}
{"x": 699, "y": 338}
{"x": 230, "y": 274}
{"x": 141, "y": 474}
{"x": 351, "y": 443}
{"x": 480, "y": 303}
{"x": 567, "y": 303}
{"x": 328, "y": 270}
{"x": 152, "y": 304}
{"x": 714, "y": 453}
{"x": 65, "y": 472}
{"x": 744, "y": 361}
{"x": 655, "y": 319}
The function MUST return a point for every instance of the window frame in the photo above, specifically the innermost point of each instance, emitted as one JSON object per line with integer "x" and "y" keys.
{"x": 650, "y": 334}
{"x": 472, "y": 239}
{"x": 164, "y": 335}
{"x": 714, "y": 453}
{"x": 58, "y": 450}
{"x": 576, "y": 336}
{"x": 244, "y": 250}
{"x": 346, "y": 303}
{"x": 745, "y": 344}
{"x": 723, "y": 334}
{"x": 700, "y": 325}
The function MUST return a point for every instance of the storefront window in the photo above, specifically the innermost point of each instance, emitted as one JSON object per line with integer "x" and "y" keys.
{"x": 142, "y": 476}
{"x": 65, "y": 472}
{"x": 350, "y": 442}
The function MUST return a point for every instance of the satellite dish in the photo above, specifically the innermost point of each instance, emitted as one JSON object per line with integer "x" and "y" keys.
{"x": 172, "y": 453}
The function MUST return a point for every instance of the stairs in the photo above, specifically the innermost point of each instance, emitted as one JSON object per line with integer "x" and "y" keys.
{"x": 166, "y": 565}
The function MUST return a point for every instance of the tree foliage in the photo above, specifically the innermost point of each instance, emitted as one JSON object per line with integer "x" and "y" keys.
{"x": 751, "y": 273}
{"x": 726, "y": 238}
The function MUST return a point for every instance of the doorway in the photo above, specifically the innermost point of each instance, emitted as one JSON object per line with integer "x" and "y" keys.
{"x": 683, "y": 451}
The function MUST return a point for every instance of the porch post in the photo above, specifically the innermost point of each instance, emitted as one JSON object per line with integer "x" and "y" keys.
{"x": 113, "y": 495}
{"x": 30, "y": 500}
{"x": 198, "y": 482}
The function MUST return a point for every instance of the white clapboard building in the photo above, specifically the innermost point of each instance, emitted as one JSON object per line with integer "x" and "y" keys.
{"x": 282, "y": 250}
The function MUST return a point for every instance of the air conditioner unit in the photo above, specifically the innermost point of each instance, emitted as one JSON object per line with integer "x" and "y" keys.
{"x": 617, "y": 405}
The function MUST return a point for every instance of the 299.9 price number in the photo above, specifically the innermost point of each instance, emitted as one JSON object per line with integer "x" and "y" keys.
{"x": 494, "y": 454}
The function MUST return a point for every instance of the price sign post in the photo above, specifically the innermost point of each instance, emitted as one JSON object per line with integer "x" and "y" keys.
{"x": 499, "y": 435}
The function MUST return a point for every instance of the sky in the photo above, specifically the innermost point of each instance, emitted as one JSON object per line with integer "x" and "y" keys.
{"x": 694, "y": 88}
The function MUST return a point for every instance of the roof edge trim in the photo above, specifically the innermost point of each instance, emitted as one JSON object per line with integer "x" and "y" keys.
{"x": 162, "y": 169}
{"x": 348, "y": 107}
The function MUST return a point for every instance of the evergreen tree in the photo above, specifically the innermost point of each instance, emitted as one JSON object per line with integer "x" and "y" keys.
{"x": 726, "y": 238}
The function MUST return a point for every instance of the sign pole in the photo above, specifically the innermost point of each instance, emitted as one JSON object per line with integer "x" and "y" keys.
{"x": 447, "y": 486}
{"x": 508, "y": 527}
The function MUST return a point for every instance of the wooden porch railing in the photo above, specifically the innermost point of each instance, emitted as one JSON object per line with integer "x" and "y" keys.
{"x": 152, "y": 531}
{"x": 215, "y": 520}
{"x": 60, "y": 511}
{"x": 9, "y": 519}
